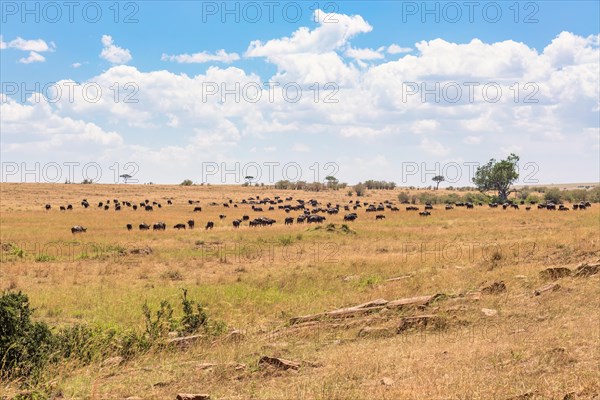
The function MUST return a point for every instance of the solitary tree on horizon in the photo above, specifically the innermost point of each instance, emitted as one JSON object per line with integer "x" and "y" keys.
{"x": 438, "y": 179}
{"x": 498, "y": 176}
{"x": 125, "y": 177}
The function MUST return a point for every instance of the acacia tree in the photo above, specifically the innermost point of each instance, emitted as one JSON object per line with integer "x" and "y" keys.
{"x": 438, "y": 179}
{"x": 497, "y": 176}
{"x": 125, "y": 177}
{"x": 331, "y": 182}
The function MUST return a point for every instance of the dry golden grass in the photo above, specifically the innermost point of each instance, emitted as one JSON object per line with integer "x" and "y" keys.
{"x": 545, "y": 345}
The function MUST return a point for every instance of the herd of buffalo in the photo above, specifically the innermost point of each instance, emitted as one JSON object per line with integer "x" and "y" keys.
{"x": 309, "y": 209}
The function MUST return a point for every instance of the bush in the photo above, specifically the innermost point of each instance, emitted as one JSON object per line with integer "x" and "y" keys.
{"x": 360, "y": 189}
{"x": 25, "y": 346}
{"x": 187, "y": 182}
{"x": 403, "y": 197}
{"x": 554, "y": 195}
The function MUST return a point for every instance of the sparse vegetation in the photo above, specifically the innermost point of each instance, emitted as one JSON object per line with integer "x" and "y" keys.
{"x": 110, "y": 323}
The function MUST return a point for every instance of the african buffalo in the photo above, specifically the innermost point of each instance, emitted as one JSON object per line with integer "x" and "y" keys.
{"x": 78, "y": 229}
{"x": 179, "y": 226}
{"x": 209, "y": 225}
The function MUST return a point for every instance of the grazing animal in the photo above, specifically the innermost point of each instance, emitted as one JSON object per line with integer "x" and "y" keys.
{"x": 78, "y": 229}
{"x": 425, "y": 213}
{"x": 210, "y": 225}
{"x": 134, "y": 207}
{"x": 129, "y": 227}
{"x": 47, "y": 207}
{"x": 350, "y": 217}
{"x": 70, "y": 206}
{"x": 148, "y": 208}
{"x": 379, "y": 216}
{"x": 289, "y": 221}
{"x": 222, "y": 216}
{"x": 245, "y": 218}
{"x": 236, "y": 223}
{"x": 179, "y": 226}
{"x": 197, "y": 209}
{"x": 106, "y": 207}
{"x": 169, "y": 202}
{"x": 159, "y": 226}
{"x": 62, "y": 208}
{"x": 191, "y": 223}
{"x": 144, "y": 227}
{"x": 315, "y": 218}
{"x": 412, "y": 208}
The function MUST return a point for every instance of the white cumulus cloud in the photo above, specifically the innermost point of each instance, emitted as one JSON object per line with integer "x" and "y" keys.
{"x": 112, "y": 53}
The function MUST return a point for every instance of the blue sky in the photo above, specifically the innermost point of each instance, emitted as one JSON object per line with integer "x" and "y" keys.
{"x": 543, "y": 56}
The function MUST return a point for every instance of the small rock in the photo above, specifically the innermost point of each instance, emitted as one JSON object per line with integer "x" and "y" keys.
{"x": 585, "y": 270}
{"x": 419, "y": 322}
{"x": 494, "y": 288}
{"x": 489, "y": 312}
{"x": 387, "y": 381}
{"x": 187, "y": 396}
{"x": 185, "y": 340}
{"x": 555, "y": 273}
{"x": 369, "y": 331}
{"x": 235, "y": 336}
{"x": 279, "y": 363}
{"x": 548, "y": 288}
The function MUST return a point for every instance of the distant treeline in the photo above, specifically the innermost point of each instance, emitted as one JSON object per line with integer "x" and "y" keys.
{"x": 538, "y": 194}
{"x": 309, "y": 186}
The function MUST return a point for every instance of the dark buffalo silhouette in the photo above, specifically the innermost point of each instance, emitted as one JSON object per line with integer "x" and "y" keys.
{"x": 62, "y": 208}
{"x": 289, "y": 221}
{"x": 179, "y": 226}
{"x": 144, "y": 227}
{"x": 148, "y": 208}
{"x": 159, "y": 226}
{"x": 425, "y": 213}
{"x": 129, "y": 227}
{"x": 197, "y": 209}
{"x": 209, "y": 225}
{"x": 236, "y": 223}
{"x": 379, "y": 216}
{"x": 191, "y": 223}
{"x": 350, "y": 217}
{"x": 78, "y": 229}
{"x": 47, "y": 207}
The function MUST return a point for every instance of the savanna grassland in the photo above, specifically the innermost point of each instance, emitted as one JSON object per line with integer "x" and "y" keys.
{"x": 482, "y": 341}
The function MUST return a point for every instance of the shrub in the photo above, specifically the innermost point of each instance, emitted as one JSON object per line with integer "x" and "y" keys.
{"x": 187, "y": 182}
{"x": 553, "y": 195}
{"x": 25, "y": 346}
